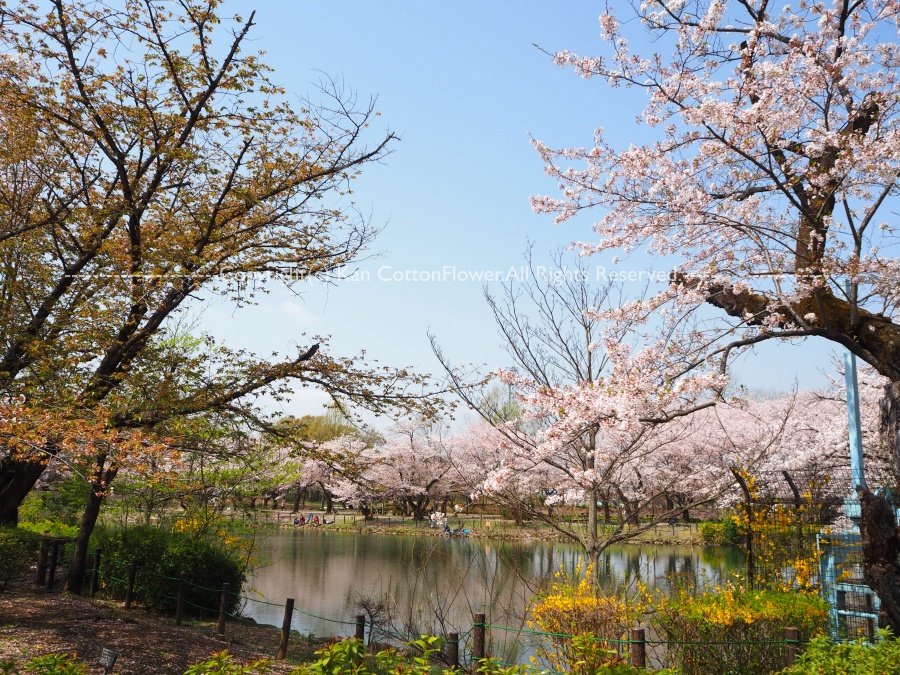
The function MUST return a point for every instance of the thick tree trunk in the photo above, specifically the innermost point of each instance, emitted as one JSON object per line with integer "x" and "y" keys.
{"x": 890, "y": 426}
{"x": 417, "y": 507}
{"x": 881, "y": 554}
{"x": 17, "y": 478}
{"x": 878, "y": 522}
{"x": 296, "y": 506}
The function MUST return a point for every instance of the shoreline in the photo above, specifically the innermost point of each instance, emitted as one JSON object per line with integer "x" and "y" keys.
{"x": 682, "y": 534}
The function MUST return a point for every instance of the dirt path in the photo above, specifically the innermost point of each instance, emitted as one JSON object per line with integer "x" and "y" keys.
{"x": 34, "y": 622}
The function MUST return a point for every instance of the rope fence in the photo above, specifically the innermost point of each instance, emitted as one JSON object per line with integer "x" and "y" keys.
{"x": 474, "y": 641}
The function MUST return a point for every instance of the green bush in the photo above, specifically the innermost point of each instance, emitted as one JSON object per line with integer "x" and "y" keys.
{"x": 727, "y": 532}
{"x": 735, "y": 630}
{"x": 63, "y": 503}
{"x": 17, "y": 550}
{"x": 48, "y": 664}
{"x": 162, "y": 557}
{"x": 419, "y": 658}
{"x": 54, "y": 528}
{"x": 824, "y": 657}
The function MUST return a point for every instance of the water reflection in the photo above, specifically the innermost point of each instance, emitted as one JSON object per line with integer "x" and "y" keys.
{"x": 434, "y": 585}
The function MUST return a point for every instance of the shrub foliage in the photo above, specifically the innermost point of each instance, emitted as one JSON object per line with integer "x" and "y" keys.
{"x": 733, "y": 629}
{"x": 162, "y": 557}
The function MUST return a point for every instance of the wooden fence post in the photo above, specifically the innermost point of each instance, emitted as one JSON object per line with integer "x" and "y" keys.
{"x": 478, "y": 637}
{"x": 95, "y": 573}
{"x": 41, "y": 577}
{"x": 638, "y": 640}
{"x": 792, "y": 637}
{"x": 286, "y": 629}
{"x": 54, "y": 559}
{"x": 179, "y": 601}
{"x": 453, "y": 650}
{"x": 129, "y": 588}
{"x": 361, "y": 627}
{"x": 223, "y": 600}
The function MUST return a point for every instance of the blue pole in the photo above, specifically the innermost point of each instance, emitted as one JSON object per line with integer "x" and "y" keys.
{"x": 855, "y": 427}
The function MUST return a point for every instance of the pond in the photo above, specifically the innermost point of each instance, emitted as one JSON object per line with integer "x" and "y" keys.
{"x": 434, "y": 584}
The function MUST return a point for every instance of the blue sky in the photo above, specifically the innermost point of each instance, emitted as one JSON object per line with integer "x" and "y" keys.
{"x": 464, "y": 86}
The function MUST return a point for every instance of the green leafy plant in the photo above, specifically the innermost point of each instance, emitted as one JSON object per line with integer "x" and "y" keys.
{"x": 350, "y": 656}
{"x": 824, "y": 657}
{"x": 55, "y": 664}
{"x": 346, "y": 656}
{"x": 222, "y": 663}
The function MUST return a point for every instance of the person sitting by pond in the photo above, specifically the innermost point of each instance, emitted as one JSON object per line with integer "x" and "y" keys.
{"x": 458, "y": 532}
{"x": 315, "y": 520}
{"x": 300, "y": 520}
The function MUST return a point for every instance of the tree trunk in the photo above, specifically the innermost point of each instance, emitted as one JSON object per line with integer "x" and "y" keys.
{"x": 890, "y": 426}
{"x": 17, "y": 477}
{"x": 881, "y": 554}
{"x": 878, "y": 523}
{"x": 296, "y": 507}
{"x": 99, "y": 486}
{"x": 417, "y": 507}
{"x": 327, "y": 500}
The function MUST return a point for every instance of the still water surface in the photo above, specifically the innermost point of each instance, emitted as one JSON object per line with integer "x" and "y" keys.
{"x": 435, "y": 584}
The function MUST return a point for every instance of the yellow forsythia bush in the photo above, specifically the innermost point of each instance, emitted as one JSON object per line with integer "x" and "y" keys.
{"x": 575, "y": 606}
{"x": 735, "y": 630}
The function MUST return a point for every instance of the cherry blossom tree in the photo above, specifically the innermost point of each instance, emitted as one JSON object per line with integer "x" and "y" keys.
{"x": 480, "y": 467}
{"x": 816, "y": 440}
{"x": 599, "y": 395}
{"x": 411, "y": 467}
{"x": 769, "y": 178}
